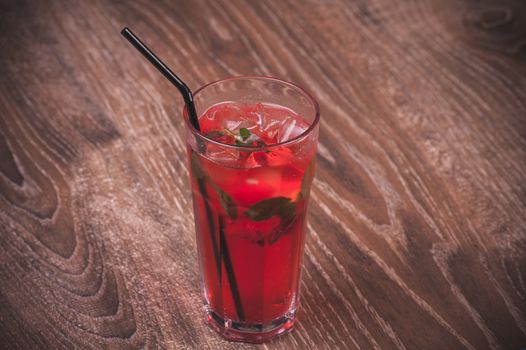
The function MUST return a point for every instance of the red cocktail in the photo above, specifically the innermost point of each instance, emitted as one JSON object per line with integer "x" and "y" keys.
{"x": 252, "y": 165}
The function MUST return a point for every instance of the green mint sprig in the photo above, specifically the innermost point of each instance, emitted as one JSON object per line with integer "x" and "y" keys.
{"x": 283, "y": 207}
{"x": 226, "y": 201}
{"x": 243, "y": 138}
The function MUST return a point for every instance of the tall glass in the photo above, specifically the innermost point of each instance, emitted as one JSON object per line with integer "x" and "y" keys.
{"x": 250, "y": 207}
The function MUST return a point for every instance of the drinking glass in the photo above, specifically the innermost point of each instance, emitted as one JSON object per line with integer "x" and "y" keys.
{"x": 250, "y": 207}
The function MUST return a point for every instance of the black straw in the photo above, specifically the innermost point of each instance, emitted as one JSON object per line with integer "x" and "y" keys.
{"x": 221, "y": 252}
{"x": 167, "y": 72}
{"x": 229, "y": 267}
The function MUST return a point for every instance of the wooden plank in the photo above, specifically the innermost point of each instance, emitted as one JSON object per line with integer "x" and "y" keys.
{"x": 417, "y": 234}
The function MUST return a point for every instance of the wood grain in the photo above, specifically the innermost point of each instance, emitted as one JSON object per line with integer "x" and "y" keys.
{"x": 417, "y": 234}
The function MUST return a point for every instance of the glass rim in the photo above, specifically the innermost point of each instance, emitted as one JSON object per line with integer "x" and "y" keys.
{"x": 293, "y": 140}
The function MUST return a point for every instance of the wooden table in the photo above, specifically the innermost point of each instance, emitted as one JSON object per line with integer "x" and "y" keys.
{"x": 417, "y": 235}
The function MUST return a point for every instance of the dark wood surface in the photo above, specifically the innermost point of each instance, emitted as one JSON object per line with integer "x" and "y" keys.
{"x": 417, "y": 235}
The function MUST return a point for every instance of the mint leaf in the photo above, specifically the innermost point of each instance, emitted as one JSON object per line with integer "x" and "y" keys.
{"x": 244, "y": 133}
{"x": 284, "y": 207}
{"x": 306, "y": 181}
{"x": 267, "y": 208}
{"x": 226, "y": 201}
{"x": 245, "y": 138}
{"x": 253, "y": 138}
{"x": 214, "y": 134}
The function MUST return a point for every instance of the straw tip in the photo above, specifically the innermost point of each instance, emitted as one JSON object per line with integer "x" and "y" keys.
{"x": 125, "y": 30}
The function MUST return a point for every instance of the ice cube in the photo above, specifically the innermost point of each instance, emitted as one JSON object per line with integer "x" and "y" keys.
{"x": 222, "y": 155}
{"x": 259, "y": 120}
{"x": 224, "y": 112}
{"x": 290, "y": 128}
{"x": 255, "y": 159}
{"x": 233, "y": 125}
{"x": 260, "y": 115}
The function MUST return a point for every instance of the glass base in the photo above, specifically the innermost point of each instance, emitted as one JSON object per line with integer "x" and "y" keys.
{"x": 251, "y": 333}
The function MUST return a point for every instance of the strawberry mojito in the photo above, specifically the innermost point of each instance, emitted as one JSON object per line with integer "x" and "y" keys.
{"x": 251, "y": 168}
